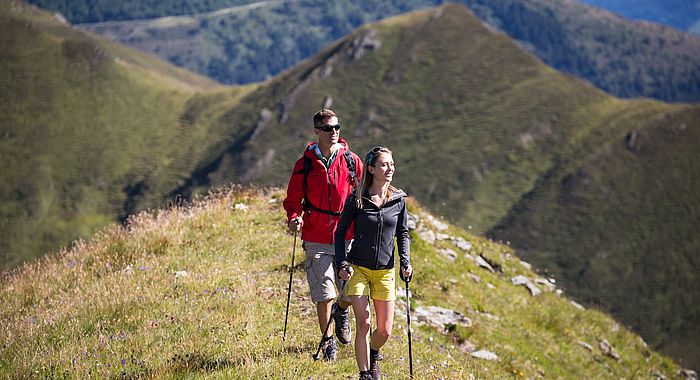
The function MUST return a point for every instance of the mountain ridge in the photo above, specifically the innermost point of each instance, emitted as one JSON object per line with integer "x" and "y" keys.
{"x": 623, "y": 57}
{"x": 185, "y": 279}
{"x": 475, "y": 124}
{"x": 538, "y": 116}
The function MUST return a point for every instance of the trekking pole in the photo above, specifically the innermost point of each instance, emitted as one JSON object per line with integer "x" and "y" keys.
{"x": 289, "y": 290}
{"x": 317, "y": 355}
{"x": 408, "y": 321}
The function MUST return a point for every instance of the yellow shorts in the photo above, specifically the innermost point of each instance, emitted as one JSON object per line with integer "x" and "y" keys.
{"x": 379, "y": 284}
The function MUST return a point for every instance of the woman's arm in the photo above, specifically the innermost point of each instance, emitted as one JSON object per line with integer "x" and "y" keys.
{"x": 347, "y": 217}
{"x": 402, "y": 237}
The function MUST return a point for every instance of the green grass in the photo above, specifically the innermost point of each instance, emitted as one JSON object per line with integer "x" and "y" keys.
{"x": 632, "y": 222}
{"x": 95, "y": 132}
{"x": 115, "y": 306}
{"x": 91, "y": 131}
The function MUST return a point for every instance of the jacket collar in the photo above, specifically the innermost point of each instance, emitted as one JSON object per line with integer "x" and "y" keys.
{"x": 396, "y": 195}
{"x": 311, "y": 146}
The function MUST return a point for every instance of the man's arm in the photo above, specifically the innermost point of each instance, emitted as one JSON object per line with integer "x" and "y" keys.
{"x": 295, "y": 194}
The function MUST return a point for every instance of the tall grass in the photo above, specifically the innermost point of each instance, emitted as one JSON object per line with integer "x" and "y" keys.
{"x": 199, "y": 291}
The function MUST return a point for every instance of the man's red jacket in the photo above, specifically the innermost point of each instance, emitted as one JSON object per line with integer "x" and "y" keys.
{"x": 325, "y": 189}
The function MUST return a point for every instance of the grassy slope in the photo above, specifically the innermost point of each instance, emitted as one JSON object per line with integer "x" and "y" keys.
{"x": 501, "y": 120}
{"x": 625, "y": 217}
{"x": 116, "y": 307}
{"x": 90, "y": 131}
{"x": 623, "y": 57}
{"x": 475, "y": 124}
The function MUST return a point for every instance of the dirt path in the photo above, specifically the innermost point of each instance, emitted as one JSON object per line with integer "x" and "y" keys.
{"x": 175, "y": 21}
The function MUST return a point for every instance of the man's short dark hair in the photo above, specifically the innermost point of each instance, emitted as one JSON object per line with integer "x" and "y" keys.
{"x": 321, "y": 116}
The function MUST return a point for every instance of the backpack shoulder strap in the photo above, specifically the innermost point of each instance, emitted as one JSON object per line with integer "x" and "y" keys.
{"x": 351, "y": 167}
{"x": 307, "y": 169}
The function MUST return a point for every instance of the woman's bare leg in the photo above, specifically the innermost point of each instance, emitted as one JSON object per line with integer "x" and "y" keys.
{"x": 385, "y": 322}
{"x": 360, "y": 305}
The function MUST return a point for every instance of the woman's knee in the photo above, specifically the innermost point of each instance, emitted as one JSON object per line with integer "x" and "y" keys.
{"x": 383, "y": 332}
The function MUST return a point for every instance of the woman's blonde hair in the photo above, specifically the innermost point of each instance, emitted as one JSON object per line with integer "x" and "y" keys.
{"x": 367, "y": 178}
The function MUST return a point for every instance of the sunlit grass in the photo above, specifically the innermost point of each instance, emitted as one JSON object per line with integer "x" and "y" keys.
{"x": 199, "y": 291}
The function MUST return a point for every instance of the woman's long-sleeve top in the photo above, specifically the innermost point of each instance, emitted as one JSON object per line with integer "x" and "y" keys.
{"x": 375, "y": 229}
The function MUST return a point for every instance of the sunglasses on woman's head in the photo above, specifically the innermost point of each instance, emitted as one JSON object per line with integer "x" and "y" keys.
{"x": 372, "y": 154}
{"x": 328, "y": 128}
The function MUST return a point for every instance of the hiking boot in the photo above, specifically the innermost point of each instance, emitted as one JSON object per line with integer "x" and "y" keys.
{"x": 374, "y": 358}
{"x": 342, "y": 324}
{"x": 365, "y": 375}
{"x": 330, "y": 349}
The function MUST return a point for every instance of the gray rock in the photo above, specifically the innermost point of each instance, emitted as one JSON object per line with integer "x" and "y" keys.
{"x": 467, "y": 346}
{"x": 447, "y": 253}
{"x": 440, "y": 317}
{"x": 608, "y": 350}
{"x": 360, "y": 45}
{"x": 688, "y": 374}
{"x": 522, "y": 280}
{"x": 547, "y": 285}
{"x": 412, "y": 221}
{"x": 484, "y": 264}
{"x": 585, "y": 345}
{"x": 427, "y": 235}
{"x": 631, "y": 140}
{"x": 328, "y": 102}
{"x": 441, "y": 236}
{"x": 437, "y": 224}
{"x": 462, "y": 244}
{"x": 485, "y": 355}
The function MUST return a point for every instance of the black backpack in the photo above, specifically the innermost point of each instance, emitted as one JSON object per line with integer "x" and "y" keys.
{"x": 307, "y": 168}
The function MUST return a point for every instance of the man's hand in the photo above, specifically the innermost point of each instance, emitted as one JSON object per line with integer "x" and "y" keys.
{"x": 295, "y": 224}
{"x": 345, "y": 273}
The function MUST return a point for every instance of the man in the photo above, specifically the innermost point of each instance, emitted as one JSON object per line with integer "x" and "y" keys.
{"x": 321, "y": 180}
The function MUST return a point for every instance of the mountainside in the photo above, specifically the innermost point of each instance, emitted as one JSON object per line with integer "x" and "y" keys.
{"x": 617, "y": 231}
{"x": 480, "y": 129}
{"x": 680, "y": 14}
{"x": 83, "y": 11}
{"x": 623, "y": 57}
{"x": 200, "y": 292}
{"x": 476, "y": 125}
{"x": 88, "y": 131}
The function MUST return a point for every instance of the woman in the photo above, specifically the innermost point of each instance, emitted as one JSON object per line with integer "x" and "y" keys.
{"x": 379, "y": 213}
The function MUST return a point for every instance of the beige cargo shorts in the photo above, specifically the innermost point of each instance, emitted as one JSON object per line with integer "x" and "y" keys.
{"x": 320, "y": 270}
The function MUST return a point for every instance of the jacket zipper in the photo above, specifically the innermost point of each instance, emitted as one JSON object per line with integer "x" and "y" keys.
{"x": 380, "y": 228}
{"x": 330, "y": 216}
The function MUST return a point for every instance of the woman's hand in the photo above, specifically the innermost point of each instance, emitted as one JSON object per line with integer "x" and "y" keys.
{"x": 407, "y": 272}
{"x": 345, "y": 273}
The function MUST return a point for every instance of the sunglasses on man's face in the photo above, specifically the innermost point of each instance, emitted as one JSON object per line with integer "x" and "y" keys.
{"x": 328, "y": 128}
